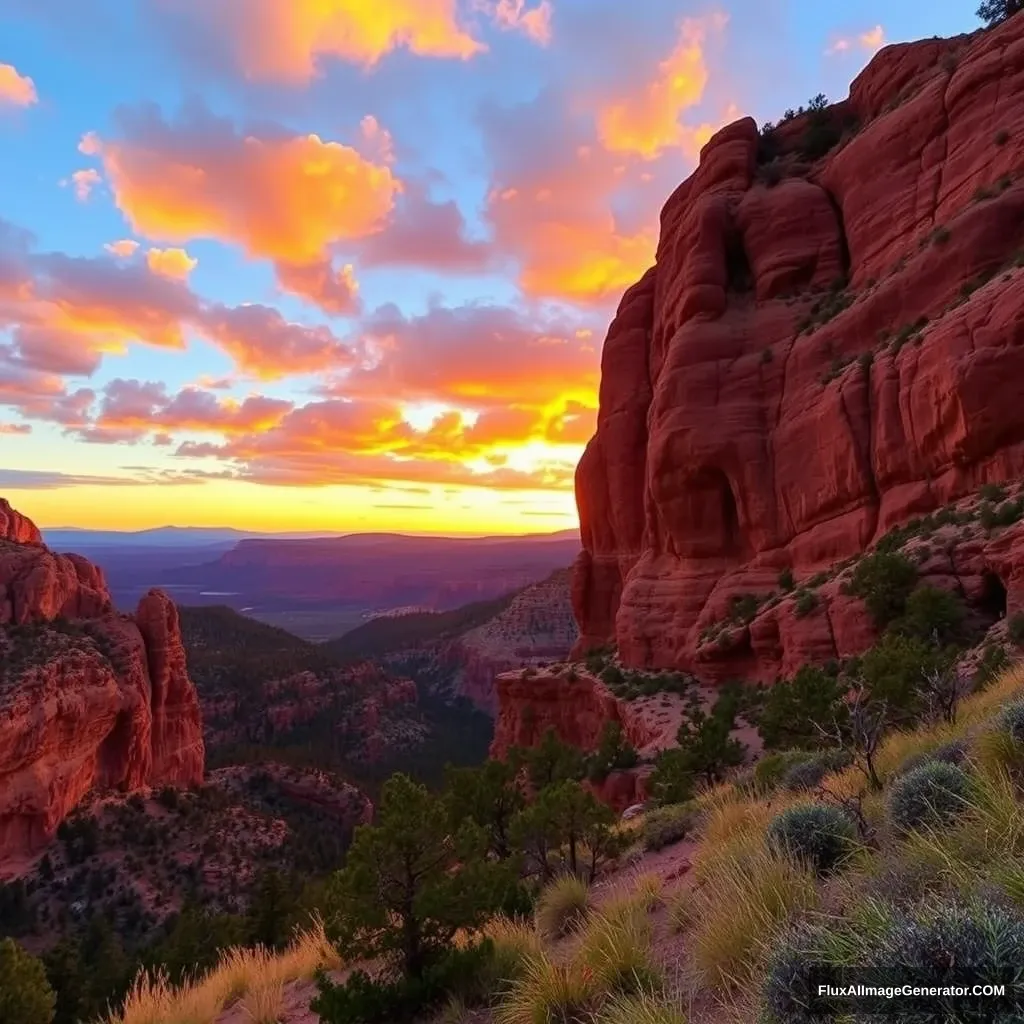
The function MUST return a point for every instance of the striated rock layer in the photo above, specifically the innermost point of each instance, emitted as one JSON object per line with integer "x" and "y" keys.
{"x": 830, "y": 342}
{"x": 89, "y": 699}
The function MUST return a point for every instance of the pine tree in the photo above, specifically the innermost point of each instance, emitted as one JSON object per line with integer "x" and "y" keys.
{"x": 410, "y": 882}
{"x": 992, "y": 12}
{"x": 25, "y": 993}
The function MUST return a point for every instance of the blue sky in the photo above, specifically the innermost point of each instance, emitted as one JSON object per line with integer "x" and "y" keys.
{"x": 294, "y": 264}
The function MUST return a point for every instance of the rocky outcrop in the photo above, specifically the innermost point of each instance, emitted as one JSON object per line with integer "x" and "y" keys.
{"x": 17, "y": 528}
{"x": 89, "y": 699}
{"x": 178, "y": 751}
{"x": 574, "y": 704}
{"x": 831, "y": 342}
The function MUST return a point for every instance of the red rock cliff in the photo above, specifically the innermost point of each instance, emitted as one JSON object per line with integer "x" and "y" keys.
{"x": 89, "y": 699}
{"x": 575, "y": 705}
{"x": 826, "y": 346}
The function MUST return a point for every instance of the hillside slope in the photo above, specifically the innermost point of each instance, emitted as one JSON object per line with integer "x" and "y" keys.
{"x": 461, "y": 652}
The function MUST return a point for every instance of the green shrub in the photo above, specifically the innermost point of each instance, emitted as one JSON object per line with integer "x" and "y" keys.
{"x": 816, "y": 834}
{"x": 361, "y": 999}
{"x": 884, "y": 581}
{"x": 672, "y": 780}
{"x": 795, "y": 968}
{"x": 928, "y": 795}
{"x": 771, "y": 769}
{"x": 25, "y": 994}
{"x": 614, "y": 753}
{"x": 786, "y": 581}
{"x": 664, "y": 826}
{"x": 1011, "y": 720}
{"x": 806, "y": 602}
{"x": 954, "y": 752}
{"x": 895, "y": 668}
{"x": 944, "y": 943}
{"x": 809, "y": 773}
{"x": 793, "y": 709}
{"x": 933, "y": 613}
{"x": 992, "y": 492}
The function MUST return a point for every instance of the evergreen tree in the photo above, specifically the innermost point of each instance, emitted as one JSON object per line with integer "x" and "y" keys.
{"x": 566, "y": 817}
{"x": 25, "y": 993}
{"x": 992, "y": 12}
{"x": 794, "y": 709}
{"x": 410, "y": 883}
{"x": 549, "y": 762}
{"x": 707, "y": 743}
{"x": 488, "y": 795}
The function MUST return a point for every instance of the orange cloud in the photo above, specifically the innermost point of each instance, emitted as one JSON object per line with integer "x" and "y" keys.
{"x": 646, "y": 122}
{"x": 174, "y": 263}
{"x": 346, "y": 441}
{"x": 13, "y": 429}
{"x": 285, "y": 42}
{"x": 287, "y": 198}
{"x": 535, "y": 22}
{"x": 16, "y": 90}
{"x": 872, "y": 40}
{"x": 551, "y": 207}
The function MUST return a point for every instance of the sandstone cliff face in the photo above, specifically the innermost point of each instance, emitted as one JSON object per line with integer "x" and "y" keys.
{"x": 89, "y": 699}
{"x": 823, "y": 349}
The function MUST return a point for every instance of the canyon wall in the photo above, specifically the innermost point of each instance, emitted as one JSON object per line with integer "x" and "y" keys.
{"x": 831, "y": 342}
{"x": 89, "y": 699}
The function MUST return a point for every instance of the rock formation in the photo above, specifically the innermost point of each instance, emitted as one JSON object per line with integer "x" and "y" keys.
{"x": 831, "y": 342}
{"x": 89, "y": 699}
{"x": 537, "y": 626}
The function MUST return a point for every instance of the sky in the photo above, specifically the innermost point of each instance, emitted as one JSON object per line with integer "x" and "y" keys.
{"x": 348, "y": 264}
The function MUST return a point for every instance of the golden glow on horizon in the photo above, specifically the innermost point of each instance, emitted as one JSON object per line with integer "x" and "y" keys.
{"x": 260, "y": 507}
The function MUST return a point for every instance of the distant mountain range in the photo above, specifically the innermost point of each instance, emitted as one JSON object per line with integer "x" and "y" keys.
{"x": 315, "y": 584}
{"x": 227, "y": 536}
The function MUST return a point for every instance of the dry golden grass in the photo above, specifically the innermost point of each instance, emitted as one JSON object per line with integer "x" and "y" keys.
{"x": 262, "y": 1003}
{"x": 516, "y": 943}
{"x": 616, "y": 950}
{"x": 549, "y": 992}
{"x": 562, "y": 906}
{"x": 254, "y": 975}
{"x": 643, "y": 1008}
{"x": 742, "y": 903}
{"x": 975, "y": 711}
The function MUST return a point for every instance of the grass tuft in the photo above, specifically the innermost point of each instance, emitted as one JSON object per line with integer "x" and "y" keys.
{"x": 643, "y": 1008}
{"x": 562, "y": 906}
{"x": 616, "y": 950}
{"x": 742, "y": 904}
{"x": 562, "y": 993}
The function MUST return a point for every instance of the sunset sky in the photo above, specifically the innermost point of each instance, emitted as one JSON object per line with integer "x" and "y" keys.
{"x": 348, "y": 264}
